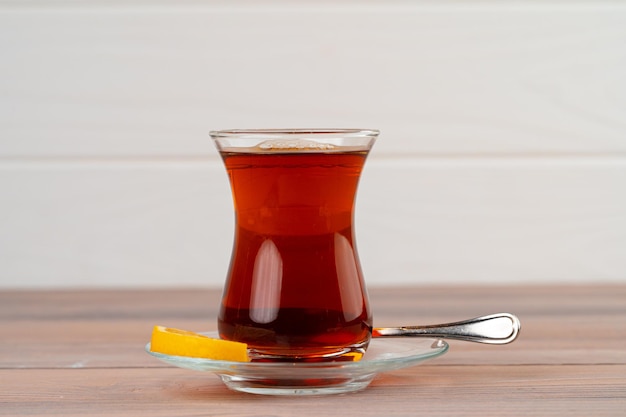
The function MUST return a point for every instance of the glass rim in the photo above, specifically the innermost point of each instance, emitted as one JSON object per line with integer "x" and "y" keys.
{"x": 256, "y": 133}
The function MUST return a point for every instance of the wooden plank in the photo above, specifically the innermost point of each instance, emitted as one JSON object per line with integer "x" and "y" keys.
{"x": 560, "y": 366}
{"x": 97, "y": 345}
{"x": 496, "y": 220}
{"x": 100, "y": 329}
{"x": 106, "y": 225}
{"x": 101, "y": 78}
{"x": 442, "y": 301}
{"x": 417, "y": 221}
{"x": 436, "y": 390}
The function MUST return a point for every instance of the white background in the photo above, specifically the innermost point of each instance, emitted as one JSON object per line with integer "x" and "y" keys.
{"x": 502, "y": 157}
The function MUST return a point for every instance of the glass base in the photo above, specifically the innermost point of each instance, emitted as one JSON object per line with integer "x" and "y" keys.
{"x": 323, "y": 386}
{"x": 344, "y": 354}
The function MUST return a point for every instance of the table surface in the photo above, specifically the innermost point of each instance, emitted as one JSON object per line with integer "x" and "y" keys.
{"x": 82, "y": 353}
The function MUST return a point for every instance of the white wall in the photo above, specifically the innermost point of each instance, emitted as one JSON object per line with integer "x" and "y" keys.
{"x": 502, "y": 157}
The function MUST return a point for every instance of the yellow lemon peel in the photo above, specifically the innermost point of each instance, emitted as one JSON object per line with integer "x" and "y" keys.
{"x": 178, "y": 342}
{"x": 355, "y": 356}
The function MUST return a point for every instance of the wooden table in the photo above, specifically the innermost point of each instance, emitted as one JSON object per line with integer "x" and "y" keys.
{"x": 82, "y": 353}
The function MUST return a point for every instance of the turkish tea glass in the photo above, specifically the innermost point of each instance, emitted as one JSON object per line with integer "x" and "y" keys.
{"x": 295, "y": 289}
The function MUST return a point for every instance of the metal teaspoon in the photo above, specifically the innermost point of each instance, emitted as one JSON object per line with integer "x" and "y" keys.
{"x": 497, "y": 329}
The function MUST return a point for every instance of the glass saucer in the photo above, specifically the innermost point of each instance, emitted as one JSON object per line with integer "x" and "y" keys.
{"x": 297, "y": 378}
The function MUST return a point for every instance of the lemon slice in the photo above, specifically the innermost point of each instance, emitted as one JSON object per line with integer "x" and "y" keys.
{"x": 353, "y": 356}
{"x": 178, "y": 342}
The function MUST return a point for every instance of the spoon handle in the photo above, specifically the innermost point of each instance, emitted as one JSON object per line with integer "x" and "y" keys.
{"x": 496, "y": 329}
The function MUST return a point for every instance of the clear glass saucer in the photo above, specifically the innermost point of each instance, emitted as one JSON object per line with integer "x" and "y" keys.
{"x": 298, "y": 378}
